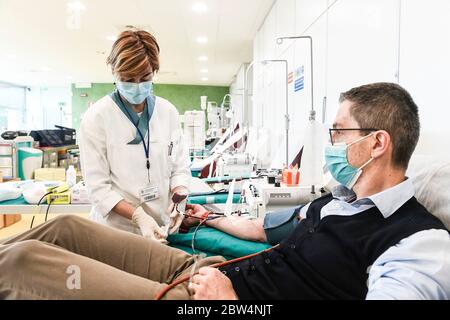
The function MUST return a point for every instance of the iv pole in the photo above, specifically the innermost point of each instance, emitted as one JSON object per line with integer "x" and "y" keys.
{"x": 312, "y": 114}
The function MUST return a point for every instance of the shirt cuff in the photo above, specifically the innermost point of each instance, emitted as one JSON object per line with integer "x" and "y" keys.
{"x": 179, "y": 180}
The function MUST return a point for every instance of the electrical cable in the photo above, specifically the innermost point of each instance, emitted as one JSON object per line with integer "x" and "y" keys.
{"x": 48, "y": 208}
{"x": 32, "y": 221}
{"x": 39, "y": 202}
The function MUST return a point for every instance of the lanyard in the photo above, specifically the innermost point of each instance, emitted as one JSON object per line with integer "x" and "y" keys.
{"x": 146, "y": 147}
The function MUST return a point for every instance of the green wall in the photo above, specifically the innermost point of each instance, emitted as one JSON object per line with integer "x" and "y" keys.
{"x": 80, "y": 103}
{"x": 184, "y": 97}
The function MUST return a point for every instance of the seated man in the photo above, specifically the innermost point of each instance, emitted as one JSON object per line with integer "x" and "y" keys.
{"x": 376, "y": 242}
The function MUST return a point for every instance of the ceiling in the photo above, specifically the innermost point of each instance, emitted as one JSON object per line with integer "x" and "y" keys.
{"x": 49, "y": 43}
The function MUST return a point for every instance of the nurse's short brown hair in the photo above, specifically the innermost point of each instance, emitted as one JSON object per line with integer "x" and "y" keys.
{"x": 133, "y": 53}
{"x": 389, "y": 107}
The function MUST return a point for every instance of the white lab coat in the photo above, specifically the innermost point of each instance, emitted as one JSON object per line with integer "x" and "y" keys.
{"x": 115, "y": 171}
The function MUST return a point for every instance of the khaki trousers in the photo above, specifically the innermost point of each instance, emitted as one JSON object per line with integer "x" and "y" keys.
{"x": 71, "y": 257}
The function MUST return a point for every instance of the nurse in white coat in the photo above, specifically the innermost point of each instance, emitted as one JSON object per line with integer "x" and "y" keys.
{"x": 132, "y": 152}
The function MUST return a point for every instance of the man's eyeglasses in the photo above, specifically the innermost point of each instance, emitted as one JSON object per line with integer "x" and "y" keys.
{"x": 337, "y": 132}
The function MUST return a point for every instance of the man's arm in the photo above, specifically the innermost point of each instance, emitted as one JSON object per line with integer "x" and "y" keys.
{"x": 410, "y": 270}
{"x": 240, "y": 227}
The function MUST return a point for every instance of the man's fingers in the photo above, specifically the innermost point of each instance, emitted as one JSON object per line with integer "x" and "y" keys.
{"x": 197, "y": 296}
{"x": 205, "y": 270}
{"x": 197, "y": 279}
{"x": 188, "y": 214}
{"x": 197, "y": 291}
{"x": 193, "y": 287}
{"x": 195, "y": 207}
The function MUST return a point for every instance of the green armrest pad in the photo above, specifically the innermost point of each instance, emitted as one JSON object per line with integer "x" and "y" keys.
{"x": 213, "y": 198}
{"x": 215, "y": 242}
{"x": 14, "y": 202}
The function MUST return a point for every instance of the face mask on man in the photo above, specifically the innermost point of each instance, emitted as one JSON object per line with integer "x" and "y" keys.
{"x": 336, "y": 158}
{"x": 135, "y": 93}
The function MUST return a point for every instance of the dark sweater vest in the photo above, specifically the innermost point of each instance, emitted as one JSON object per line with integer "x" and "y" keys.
{"x": 328, "y": 258}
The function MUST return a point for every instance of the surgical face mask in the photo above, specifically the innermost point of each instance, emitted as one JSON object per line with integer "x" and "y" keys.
{"x": 336, "y": 158}
{"x": 135, "y": 93}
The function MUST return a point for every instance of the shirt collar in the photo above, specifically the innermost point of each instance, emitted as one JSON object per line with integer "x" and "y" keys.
{"x": 387, "y": 201}
{"x": 390, "y": 200}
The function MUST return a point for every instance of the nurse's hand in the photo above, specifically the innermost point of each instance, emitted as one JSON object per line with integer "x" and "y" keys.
{"x": 177, "y": 209}
{"x": 211, "y": 284}
{"x": 148, "y": 226}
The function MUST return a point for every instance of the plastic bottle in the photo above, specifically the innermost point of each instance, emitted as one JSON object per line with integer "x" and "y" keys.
{"x": 71, "y": 176}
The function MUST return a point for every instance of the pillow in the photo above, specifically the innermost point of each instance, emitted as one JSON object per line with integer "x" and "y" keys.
{"x": 431, "y": 180}
{"x": 9, "y": 192}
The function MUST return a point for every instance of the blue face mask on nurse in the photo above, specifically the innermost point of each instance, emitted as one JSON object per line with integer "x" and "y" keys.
{"x": 135, "y": 93}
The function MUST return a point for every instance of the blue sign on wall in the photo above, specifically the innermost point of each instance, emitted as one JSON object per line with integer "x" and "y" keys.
{"x": 299, "y": 84}
{"x": 299, "y": 79}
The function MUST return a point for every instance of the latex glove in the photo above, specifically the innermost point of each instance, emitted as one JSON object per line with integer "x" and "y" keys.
{"x": 176, "y": 210}
{"x": 148, "y": 226}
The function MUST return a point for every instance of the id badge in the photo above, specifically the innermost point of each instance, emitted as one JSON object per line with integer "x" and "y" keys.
{"x": 149, "y": 193}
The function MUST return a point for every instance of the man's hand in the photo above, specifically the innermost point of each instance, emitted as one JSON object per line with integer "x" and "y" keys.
{"x": 196, "y": 210}
{"x": 211, "y": 284}
{"x": 195, "y": 213}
